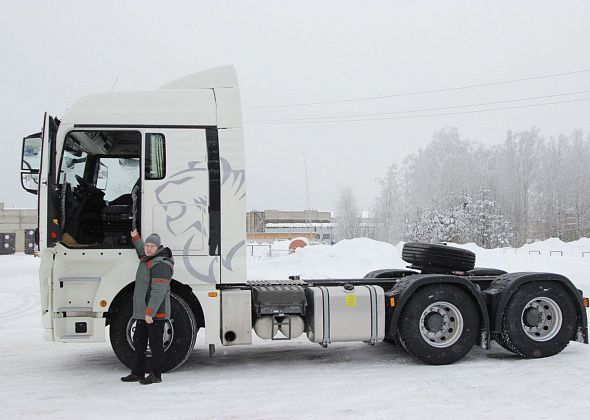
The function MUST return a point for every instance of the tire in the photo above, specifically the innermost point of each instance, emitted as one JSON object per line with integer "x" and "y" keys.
{"x": 439, "y": 324}
{"x": 438, "y": 256}
{"x": 179, "y": 337}
{"x": 539, "y": 320}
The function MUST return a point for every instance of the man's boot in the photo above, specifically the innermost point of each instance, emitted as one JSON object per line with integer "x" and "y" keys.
{"x": 132, "y": 377}
{"x": 152, "y": 378}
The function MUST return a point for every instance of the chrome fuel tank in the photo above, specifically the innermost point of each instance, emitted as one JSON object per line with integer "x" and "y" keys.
{"x": 345, "y": 313}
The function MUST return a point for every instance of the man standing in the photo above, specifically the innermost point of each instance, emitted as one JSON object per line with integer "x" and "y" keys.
{"x": 151, "y": 306}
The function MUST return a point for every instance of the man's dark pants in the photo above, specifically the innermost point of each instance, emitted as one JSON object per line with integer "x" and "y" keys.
{"x": 155, "y": 333}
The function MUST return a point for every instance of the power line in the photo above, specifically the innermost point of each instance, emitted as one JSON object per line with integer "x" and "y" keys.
{"x": 422, "y": 92}
{"x": 419, "y": 110}
{"x": 425, "y": 115}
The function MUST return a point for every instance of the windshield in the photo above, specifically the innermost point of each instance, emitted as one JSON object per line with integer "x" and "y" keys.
{"x": 116, "y": 175}
{"x": 73, "y": 164}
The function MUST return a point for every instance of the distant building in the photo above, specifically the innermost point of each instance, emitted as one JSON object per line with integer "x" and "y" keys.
{"x": 276, "y": 224}
{"x": 17, "y": 221}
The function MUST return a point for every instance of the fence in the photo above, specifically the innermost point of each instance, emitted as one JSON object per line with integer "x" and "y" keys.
{"x": 264, "y": 250}
{"x": 560, "y": 253}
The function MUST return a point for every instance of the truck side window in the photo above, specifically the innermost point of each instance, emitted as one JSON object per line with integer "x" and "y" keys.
{"x": 155, "y": 156}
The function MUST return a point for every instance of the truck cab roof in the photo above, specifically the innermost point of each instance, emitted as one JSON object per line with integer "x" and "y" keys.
{"x": 208, "y": 98}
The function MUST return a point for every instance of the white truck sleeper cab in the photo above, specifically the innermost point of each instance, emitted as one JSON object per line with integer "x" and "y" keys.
{"x": 171, "y": 161}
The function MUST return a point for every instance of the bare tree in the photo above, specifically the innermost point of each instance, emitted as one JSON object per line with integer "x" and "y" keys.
{"x": 388, "y": 210}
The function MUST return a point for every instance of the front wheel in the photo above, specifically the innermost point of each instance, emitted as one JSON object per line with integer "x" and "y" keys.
{"x": 439, "y": 324}
{"x": 180, "y": 334}
{"x": 539, "y": 320}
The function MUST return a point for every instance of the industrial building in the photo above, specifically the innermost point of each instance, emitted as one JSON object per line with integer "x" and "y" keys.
{"x": 269, "y": 225}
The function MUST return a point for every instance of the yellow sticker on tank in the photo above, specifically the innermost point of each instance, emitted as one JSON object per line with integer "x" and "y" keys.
{"x": 351, "y": 300}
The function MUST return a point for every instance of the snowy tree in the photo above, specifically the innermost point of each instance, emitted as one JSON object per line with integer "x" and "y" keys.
{"x": 458, "y": 190}
{"x": 387, "y": 213}
{"x": 490, "y": 226}
{"x": 347, "y": 215}
{"x": 519, "y": 170}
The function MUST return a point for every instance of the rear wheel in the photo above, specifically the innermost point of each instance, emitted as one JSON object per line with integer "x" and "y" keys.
{"x": 539, "y": 320}
{"x": 180, "y": 333}
{"x": 439, "y": 324}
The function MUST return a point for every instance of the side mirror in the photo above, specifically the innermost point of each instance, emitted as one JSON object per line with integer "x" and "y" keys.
{"x": 30, "y": 182}
{"x": 31, "y": 153}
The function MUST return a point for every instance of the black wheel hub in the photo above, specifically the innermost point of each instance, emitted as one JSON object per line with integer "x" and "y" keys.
{"x": 532, "y": 317}
{"x": 434, "y": 322}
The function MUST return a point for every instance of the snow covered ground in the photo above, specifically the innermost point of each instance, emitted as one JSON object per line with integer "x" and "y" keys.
{"x": 296, "y": 380}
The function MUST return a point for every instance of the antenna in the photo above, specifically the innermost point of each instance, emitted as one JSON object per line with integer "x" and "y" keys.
{"x": 115, "y": 84}
{"x": 307, "y": 206}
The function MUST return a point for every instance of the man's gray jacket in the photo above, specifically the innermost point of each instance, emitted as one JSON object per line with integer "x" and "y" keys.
{"x": 152, "y": 282}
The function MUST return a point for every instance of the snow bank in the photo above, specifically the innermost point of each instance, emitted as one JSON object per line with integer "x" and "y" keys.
{"x": 289, "y": 380}
{"x": 346, "y": 259}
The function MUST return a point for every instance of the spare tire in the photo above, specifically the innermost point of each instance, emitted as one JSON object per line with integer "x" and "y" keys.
{"x": 435, "y": 256}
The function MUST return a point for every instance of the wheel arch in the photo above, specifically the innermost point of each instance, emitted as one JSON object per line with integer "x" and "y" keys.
{"x": 181, "y": 289}
{"x": 503, "y": 288}
{"x": 123, "y": 294}
{"x": 406, "y": 287}
{"x": 186, "y": 292}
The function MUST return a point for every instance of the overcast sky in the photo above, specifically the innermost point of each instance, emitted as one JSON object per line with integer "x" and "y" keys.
{"x": 300, "y": 52}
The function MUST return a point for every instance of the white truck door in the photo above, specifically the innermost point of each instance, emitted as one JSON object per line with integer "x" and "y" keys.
{"x": 176, "y": 200}
{"x": 48, "y": 229}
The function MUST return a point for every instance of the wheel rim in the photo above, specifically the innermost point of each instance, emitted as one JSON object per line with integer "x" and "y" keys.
{"x": 441, "y": 324}
{"x": 541, "y": 319}
{"x": 166, "y": 339}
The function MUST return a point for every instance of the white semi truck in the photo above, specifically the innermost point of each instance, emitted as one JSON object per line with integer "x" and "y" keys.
{"x": 171, "y": 161}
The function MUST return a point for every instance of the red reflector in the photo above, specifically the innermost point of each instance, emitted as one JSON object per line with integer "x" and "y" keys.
{"x": 53, "y": 235}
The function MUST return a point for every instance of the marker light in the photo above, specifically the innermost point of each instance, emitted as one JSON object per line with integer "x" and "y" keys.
{"x": 213, "y": 294}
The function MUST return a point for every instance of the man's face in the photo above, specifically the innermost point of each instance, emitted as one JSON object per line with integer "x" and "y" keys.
{"x": 149, "y": 249}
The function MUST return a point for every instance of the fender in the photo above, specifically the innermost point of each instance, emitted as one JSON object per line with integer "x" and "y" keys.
{"x": 389, "y": 273}
{"x": 404, "y": 288}
{"x": 502, "y": 289}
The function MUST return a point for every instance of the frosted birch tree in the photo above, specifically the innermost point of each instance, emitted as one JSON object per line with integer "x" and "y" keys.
{"x": 348, "y": 215}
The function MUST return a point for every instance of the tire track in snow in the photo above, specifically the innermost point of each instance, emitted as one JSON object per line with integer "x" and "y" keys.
{"x": 16, "y": 303}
